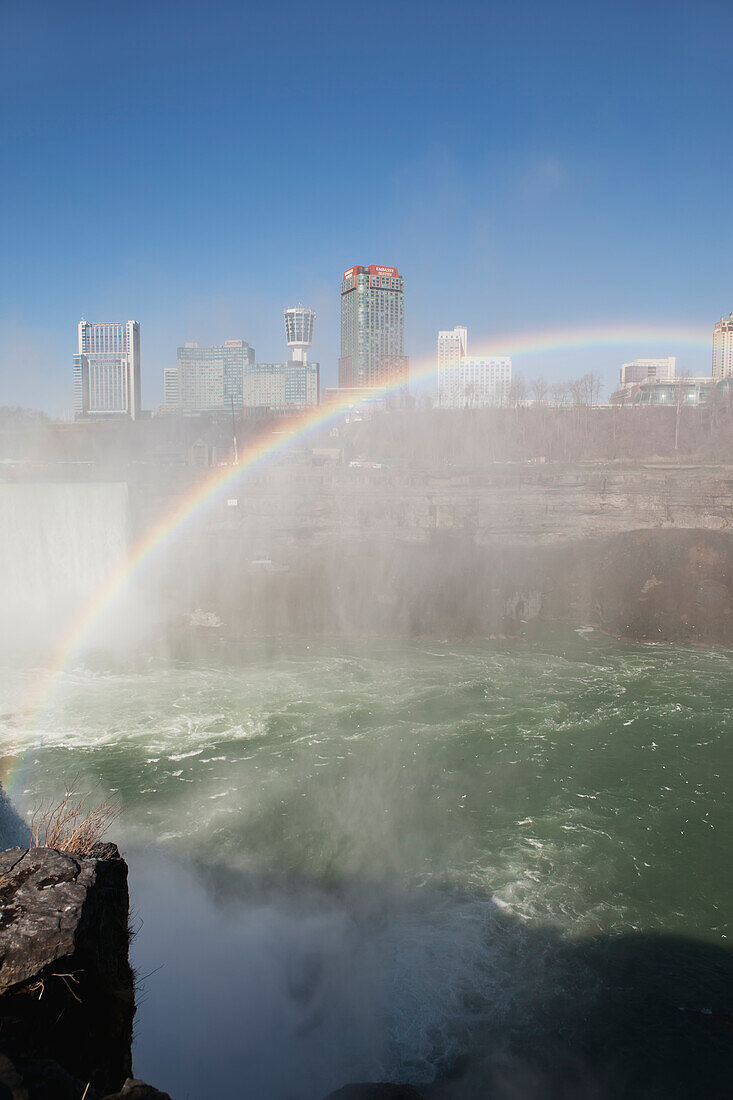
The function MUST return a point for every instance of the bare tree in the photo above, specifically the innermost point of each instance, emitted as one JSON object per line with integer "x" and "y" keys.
{"x": 680, "y": 393}
{"x": 517, "y": 391}
{"x": 559, "y": 393}
{"x": 594, "y": 385}
{"x": 714, "y": 403}
{"x": 539, "y": 390}
{"x": 576, "y": 389}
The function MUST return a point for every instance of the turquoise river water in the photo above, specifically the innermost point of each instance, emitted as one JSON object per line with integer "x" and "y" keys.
{"x": 491, "y": 869}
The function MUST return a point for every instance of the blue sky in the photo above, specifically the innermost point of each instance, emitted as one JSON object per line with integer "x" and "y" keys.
{"x": 200, "y": 166}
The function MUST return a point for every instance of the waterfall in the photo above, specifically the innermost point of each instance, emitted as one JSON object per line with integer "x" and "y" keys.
{"x": 58, "y": 542}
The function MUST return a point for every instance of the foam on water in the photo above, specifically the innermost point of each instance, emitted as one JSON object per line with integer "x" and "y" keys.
{"x": 390, "y": 846}
{"x": 363, "y": 983}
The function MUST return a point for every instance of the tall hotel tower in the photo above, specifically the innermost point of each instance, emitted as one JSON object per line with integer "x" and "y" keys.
{"x": 107, "y": 369}
{"x": 723, "y": 348}
{"x": 373, "y": 329}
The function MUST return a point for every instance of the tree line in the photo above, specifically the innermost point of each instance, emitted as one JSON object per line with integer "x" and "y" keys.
{"x": 585, "y": 390}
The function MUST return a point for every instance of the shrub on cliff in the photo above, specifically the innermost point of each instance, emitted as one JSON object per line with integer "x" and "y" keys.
{"x": 72, "y": 824}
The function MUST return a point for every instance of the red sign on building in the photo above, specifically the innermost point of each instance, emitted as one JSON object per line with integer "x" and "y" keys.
{"x": 377, "y": 269}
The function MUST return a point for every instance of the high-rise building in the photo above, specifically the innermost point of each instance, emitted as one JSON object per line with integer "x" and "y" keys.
{"x": 373, "y": 329}
{"x": 469, "y": 382}
{"x": 452, "y": 348}
{"x": 477, "y": 382}
{"x": 171, "y": 400}
{"x": 107, "y": 369}
{"x": 212, "y": 379}
{"x": 282, "y": 387}
{"x": 299, "y": 331}
{"x": 641, "y": 370}
{"x": 723, "y": 347}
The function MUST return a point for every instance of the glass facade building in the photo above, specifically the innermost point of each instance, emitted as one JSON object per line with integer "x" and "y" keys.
{"x": 107, "y": 369}
{"x": 282, "y": 387}
{"x": 212, "y": 379}
{"x": 670, "y": 391}
{"x": 373, "y": 329}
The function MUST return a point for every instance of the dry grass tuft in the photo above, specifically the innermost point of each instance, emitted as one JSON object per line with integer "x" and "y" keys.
{"x": 71, "y": 824}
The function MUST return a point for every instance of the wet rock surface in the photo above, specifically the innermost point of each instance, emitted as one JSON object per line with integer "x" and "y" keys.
{"x": 66, "y": 986}
{"x": 46, "y": 1080}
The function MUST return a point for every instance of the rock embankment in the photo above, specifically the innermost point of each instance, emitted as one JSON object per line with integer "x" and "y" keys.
{"x": 66, "y": 986}
{"x": 643, "y": 553}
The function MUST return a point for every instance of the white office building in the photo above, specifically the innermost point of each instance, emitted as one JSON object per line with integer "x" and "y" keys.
{"x": 469, "y": 381}
{"x": 648, "y": 370}
{"x": 452, "y": 348}
{"x": 477, "y": 382}
{"x": 723, "y": 348}
{"x": 171, "y": 397}
{"x": 107, "y": 369}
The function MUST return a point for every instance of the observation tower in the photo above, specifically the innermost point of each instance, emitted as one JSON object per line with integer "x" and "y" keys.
{"x": 299, "y": 331}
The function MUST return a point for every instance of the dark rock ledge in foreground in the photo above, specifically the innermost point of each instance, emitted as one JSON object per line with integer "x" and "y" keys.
{"x": 66, "y": 985}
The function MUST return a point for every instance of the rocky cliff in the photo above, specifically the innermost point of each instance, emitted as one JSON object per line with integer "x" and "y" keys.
{"x": 66, "y": 986}
{"x": 643, "y": 553}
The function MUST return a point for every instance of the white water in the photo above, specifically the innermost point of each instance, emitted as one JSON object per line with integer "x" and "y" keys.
{"x": 58, "y": 543}
{"x": 370, "y": 864}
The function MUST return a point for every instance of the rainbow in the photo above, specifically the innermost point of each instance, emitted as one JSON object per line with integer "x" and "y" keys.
{"x": 160, "y": 533}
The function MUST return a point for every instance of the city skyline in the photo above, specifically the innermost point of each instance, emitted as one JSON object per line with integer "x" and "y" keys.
{"x": 226, "y": 377}
{"x": 428, "y": 375}
{"x": 540, "y": 174}
{"x": 534, "y": 346}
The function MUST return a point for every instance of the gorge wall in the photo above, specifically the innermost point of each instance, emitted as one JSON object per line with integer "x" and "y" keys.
{"x": 308, "y": 545}
{"x": 642, "y": 552}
